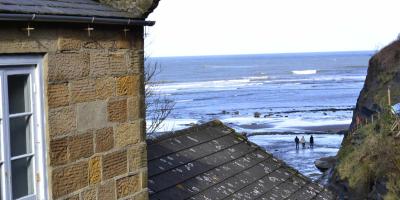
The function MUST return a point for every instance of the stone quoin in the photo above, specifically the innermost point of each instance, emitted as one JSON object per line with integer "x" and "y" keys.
{"x": 79, "y": 95}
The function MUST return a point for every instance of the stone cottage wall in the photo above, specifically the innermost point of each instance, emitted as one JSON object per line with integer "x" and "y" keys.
{"x": 94, "y": 108}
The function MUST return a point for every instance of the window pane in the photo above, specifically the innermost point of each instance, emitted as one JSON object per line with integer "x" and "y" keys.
{"x": 18, "y": 93}
{"x": 20, "y": 136}
{"x": 1, "y": 181}
{"x": 22, "y": 177}
{"x": 1, "y": 139}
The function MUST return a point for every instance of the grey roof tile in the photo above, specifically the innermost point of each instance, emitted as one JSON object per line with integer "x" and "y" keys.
{"x": 211, "y": 161}
{"x": 63, "y": 7}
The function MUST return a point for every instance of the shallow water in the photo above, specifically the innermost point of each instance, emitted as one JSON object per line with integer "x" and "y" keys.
{"x": 292, "y": 92}
{"x": 288, "y": 90}
{"x": 283, "y": 147}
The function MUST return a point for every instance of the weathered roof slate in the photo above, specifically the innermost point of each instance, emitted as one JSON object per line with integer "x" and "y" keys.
{"x": 64, "y": 7}
{"x": 211, "y": 161}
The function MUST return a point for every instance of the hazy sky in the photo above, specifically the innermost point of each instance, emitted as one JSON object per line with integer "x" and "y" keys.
{"x": 219, "y": 27}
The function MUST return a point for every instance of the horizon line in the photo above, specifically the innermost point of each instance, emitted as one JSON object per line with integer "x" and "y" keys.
{"x": 254, "y": 54}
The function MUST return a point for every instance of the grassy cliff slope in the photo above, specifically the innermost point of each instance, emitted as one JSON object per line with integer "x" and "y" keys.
{"x": 369, "y": 160}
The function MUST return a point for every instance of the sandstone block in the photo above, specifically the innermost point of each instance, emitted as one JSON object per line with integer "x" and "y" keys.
{"x": 137, "y": 157}
{"x": 118, "y": 63}
{"x": 143, "y": 178}
{"x": 106, "y": 191}
{"x": 128, "y": 85}
{"x": 66, "y": 180}
{"x": 114, "y": 164}
{"x": 13, "y": 40}
{"x": 99, "y": 64}
{"x": 92, "y": 115}
{"x": 74, "y": 197}
{"x": 136, "y": 62}
{"x": 58, "y": 95}
{"x": 90, "y": 194}
{"x": 64, "y": 67}
{"x": 59, "y": 151}
{"x": 105, "y": 88}
{"x": 83, "y": 90}
{"x": 103, "y": 39}
{"x": 81, "y": 146}
{"x": 117, "y": 110}
{"x": 124, "y": 42}
{"x": 104, "y": 139}
{"x": 69, "y": 43}
{"x": 134, "y": 108}
{"x": 95, "y": 170}
{"x": 62, "y": 120}
{"x": 127, "y": 134}
{"x": 143, "y": 195}
{"x": 127, "y": 186}
{"x": 71, "y": 40}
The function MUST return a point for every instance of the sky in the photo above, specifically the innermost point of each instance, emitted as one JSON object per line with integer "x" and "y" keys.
{"x": 231, "y": 27}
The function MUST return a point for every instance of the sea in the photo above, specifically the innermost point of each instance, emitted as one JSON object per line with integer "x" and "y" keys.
{"x": 264, "y": 94}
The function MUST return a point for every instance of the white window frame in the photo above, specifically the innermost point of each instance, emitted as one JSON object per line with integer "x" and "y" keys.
{"x": 32, "y": 64}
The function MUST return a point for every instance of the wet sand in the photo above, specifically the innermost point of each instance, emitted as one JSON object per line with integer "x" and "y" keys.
{"x": 325, "y": 129}
{"x": 281, "y": 145}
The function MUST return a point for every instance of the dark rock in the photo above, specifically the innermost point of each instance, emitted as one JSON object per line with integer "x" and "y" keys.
{"x": 236, "y": 113}
{"x": 257, "y": 115}
{"x": 224, "y": 112}
{"x": 323, "y": 164}
{"x": 383, "y": 72}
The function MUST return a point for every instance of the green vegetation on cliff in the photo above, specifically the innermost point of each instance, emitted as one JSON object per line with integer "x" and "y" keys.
{"x": 368, "y": 165}
{"x": 370, "y": 159}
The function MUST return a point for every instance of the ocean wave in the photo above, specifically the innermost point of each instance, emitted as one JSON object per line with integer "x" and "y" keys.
{"x": 234, "y": 84}
{"x": 207, "y": 85}
{"x": 320, "y": 79}
{"x": 305, "y": 72}
{"x": 229, "y": 66}
{"x": 257, "y": 78}
{"x": 183, "y": 101}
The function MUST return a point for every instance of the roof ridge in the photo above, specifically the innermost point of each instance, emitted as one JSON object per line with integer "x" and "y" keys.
{"x": 178, "y": 133}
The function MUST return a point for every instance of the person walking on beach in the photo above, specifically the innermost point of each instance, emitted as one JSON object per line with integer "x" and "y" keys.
{"x": 296, "y": 140}
{"x": 311, "y": 142}
{"x": 303, "y": 142}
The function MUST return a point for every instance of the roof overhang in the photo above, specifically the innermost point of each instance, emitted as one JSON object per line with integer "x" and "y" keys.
{"x": 74, "y": 19}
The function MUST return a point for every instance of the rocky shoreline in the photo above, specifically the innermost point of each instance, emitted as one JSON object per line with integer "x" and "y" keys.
{"x": 314, "y": 130}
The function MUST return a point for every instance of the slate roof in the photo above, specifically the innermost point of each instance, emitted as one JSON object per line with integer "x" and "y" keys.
{"x": 211, "y": 161}
{"x": 63, "y": 7}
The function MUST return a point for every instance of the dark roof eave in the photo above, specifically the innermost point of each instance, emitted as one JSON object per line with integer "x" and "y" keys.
{"x": 74, "y": 19}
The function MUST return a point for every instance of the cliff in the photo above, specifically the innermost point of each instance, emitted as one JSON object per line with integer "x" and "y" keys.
{"x": 383, "y": 72}
{"x": 368, "y": 164}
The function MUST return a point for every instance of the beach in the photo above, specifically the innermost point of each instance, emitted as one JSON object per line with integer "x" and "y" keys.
{"x": 271, "y": 98}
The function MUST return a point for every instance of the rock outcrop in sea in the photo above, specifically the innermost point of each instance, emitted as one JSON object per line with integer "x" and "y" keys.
{"x": 368, "y": 165}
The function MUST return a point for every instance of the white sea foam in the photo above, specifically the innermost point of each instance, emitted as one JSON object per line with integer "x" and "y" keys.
{"x": 207, "y": 85}
{"x": 321, "y": 78}
{"x": 298, "y": 122}
{"x": 174, "y": 124}
{"x": 183, "y": 101}
{"x": 218, "y": 85}
{"x": 257, "y": 78}
{"x": 304, "y": 72}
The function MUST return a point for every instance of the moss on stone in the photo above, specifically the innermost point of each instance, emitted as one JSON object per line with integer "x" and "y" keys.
{"x": 138, "y": 8}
